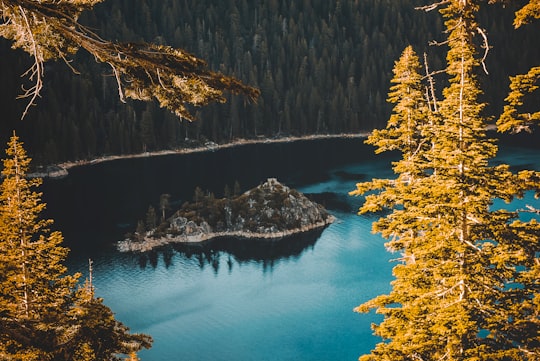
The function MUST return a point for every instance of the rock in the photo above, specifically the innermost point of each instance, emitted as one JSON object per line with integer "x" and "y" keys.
{"x": 269, "y": 211}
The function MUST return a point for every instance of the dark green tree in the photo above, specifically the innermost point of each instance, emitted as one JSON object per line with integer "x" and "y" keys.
{"x": 198, "y": 195}
{"x": 151, "y": 218}
{"x": 164, "y": 204}
{"x": 226, "y": 191}
{"x": 236, "y": 189}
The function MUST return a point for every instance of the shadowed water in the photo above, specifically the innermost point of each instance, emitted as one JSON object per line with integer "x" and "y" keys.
{"x": 230, "y": 299}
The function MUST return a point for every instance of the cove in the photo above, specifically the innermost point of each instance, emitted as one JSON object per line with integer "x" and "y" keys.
{"x": 232, "y": 300}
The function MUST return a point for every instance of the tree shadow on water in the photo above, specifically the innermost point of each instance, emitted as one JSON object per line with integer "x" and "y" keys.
{"x": 224, "y": 253}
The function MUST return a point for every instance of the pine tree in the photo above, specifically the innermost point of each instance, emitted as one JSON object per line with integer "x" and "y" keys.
{"x": 151, "y": 218}
{"x": 98, "y": 335}
{"x": 454, "y": 296}
{"x": 410, "y": 120}
{"x": 164, "y": 204}
{"x": 519, "y": 114}
{"x": 42, "y": 317}
{"x": 34, "y": 288}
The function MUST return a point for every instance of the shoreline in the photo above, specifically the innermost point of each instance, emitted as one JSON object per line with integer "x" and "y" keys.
{"x": 149, "y": 243}
{"x": 208, "y": 147}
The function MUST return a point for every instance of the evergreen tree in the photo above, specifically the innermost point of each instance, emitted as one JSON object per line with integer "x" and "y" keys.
{"x": 463, "y": 287}
{"x": 151, "y": 218}
{"x": 198, "y": 195}
{"x": 140, "y": 230}
{"x": 519, "y": 114}
{"x": 226, "y": 192}
{"x": 99, "y": 336}
{"x": 410, "y": 121}
{"x": 236, "y": 189}
{"x": 42, "y": 317}
{"x": 34, "y": 288}
{"x": 164, "y": 204}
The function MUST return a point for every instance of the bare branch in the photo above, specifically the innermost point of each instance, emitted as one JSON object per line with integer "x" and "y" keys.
{"x": 36, "y": 70}
{"x": 68, "y": 63}
{"x": 529, "y": 209}
{"x": 485, "y": 46}
{"x": 119, "y": 82}
{"x": 429, "y": 75}
{"x": 159, "y": 79}
{"x": 433, "y": 6}
{"x": 437, "y": 43}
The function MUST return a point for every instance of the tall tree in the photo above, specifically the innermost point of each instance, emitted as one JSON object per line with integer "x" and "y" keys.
{"x": 164, "y": 204}
{"x": 410, "y": 120}
{"x": 37, "y": 296}
{"x": 463, "y": 286}
{"x": 34, "y": 288}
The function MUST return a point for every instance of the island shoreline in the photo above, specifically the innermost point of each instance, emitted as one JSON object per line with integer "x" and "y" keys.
{"x": 150, "y": 243}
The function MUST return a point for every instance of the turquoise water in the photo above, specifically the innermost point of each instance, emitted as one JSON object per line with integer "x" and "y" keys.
{"x": 238, "y": 300}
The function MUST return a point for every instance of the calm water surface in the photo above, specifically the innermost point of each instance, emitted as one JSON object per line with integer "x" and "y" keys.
{"x": 233, "y": 300}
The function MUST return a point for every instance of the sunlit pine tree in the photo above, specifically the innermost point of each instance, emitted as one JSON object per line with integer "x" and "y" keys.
{"x": 520, "y": 113}
{"x": 42, "y": 316}
{"x": 34, "y": 287}
{"x": 461, "y": 262}
{"x": 98, "y": 335}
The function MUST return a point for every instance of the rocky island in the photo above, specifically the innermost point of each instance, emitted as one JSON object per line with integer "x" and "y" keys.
{"x": 269, "y": 211}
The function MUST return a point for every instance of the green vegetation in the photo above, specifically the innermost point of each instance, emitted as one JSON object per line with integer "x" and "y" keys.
{"x": 321, "y": 66}
{"x": 467, "y": 280}
{"x": 43, "y": 314}
{"x": 269, "y": 209}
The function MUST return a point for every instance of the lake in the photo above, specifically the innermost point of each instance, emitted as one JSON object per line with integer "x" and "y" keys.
{"x": 230, "y": 299}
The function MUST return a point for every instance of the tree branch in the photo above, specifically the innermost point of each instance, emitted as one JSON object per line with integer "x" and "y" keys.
{"x": 485, "y": 46}
{"x": 36, "y": 70}
{"x": 142, "y": 71}
{"x": 433, "y": 6}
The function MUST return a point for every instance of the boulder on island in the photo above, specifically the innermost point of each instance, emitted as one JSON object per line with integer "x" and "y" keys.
{"x": 269, "y": 211}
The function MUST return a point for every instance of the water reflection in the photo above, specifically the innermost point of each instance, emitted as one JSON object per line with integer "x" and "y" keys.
{"x": 225, "y": 252}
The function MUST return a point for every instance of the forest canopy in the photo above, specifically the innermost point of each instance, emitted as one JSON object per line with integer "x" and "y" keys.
{"x": 321, "y": 66}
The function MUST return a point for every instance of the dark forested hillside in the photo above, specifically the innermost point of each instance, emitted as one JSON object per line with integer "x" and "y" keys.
{"x": 323, "y": 66}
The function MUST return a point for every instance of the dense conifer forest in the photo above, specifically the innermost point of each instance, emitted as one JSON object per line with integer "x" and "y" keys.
{"x": 322, "y": 66}
{"x": 466, "y": 284}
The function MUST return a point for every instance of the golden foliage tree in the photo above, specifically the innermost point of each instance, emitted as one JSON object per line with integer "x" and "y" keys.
{"x": 50, "y": 30}
{"x": 466, "y": 284}
{"x": 42, "y": 316}
{"x": 519, "y": 113}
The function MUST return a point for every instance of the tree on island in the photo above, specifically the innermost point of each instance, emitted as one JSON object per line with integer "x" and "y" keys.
{"x": 43, "y": 316}
{"x": 164, "y": 204}
{"x": 466, "y": 283}
{"x": 151, "y": 218}
{"x": 143, "y": 71}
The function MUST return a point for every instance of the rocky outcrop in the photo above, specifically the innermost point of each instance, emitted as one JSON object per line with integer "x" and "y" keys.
{"x": 269, "y": 211}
